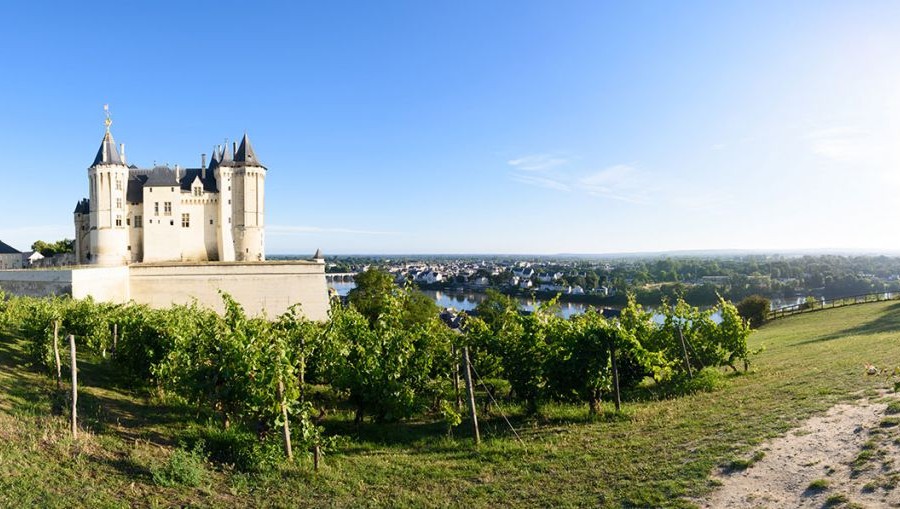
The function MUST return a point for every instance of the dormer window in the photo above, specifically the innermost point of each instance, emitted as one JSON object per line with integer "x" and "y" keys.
{"x": 198, "y": 191}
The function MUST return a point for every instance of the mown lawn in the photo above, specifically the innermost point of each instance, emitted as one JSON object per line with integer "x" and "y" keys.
{"x": 657, "y": 453}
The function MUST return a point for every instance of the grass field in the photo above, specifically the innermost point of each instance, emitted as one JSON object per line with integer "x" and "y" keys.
{"x": 656, "y": 453}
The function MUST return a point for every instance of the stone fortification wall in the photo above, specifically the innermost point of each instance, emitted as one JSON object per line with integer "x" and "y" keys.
{"x": 106, "y": 284}
{"x": 268, "y": 288}
{"x": 36, "y": 283}
{"x": 261, "y": 288}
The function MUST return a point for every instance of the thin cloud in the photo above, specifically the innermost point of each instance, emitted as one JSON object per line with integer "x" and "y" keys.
{"x": 843, "y": 144}
{"x": 285, "y": 230}
{"x": 538, "y": 162}
{"x": 544, "y": 182}
{"x": 620, "y": 182}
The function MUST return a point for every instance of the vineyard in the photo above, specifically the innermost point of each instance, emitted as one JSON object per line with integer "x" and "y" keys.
{"x": 329, "y": 406}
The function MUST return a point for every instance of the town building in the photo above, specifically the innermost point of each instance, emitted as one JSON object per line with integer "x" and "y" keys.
{"x": 10, "y": 257}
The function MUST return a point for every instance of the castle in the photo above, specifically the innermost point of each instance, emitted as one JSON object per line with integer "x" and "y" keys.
{"x": 134, "y": 215}
{"x": 166, "y": 236}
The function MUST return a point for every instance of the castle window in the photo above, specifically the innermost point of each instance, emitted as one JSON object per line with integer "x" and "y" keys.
{"x": 118, "y": 203}
{"x": 185, "y": 220}
{"x": 127, "y": 221}
{"x": 167, "y": 207}
{"x": 138, "y": 221}
{"x": 198, "y": 191}
{"x": 119, "y": 220}
{"x": 156, "y": 208}
{"x": 171, "y": 223}
{"x": 210, "y": 221}
{"x": 118, "y": 185}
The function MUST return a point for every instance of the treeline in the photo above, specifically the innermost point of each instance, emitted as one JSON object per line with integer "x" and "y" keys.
{"x": 386, "y": 355}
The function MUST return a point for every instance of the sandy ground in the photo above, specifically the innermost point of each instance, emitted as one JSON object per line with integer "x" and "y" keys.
{"x": 851, "y": 448}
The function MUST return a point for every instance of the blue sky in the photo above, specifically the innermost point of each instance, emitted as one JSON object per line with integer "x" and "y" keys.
{"x": 477, "y": 127}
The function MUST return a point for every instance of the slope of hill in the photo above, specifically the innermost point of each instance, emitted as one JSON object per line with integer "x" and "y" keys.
{"x": 656, "y": 453}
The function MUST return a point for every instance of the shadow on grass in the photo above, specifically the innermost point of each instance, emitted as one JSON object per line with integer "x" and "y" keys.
{"x": 887, "y": 321}
{"x": 127, "y": 467}
{"x": 105, "y": 405}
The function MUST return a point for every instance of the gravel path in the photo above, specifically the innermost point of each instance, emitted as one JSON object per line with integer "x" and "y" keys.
{"x": 849, "y": 452}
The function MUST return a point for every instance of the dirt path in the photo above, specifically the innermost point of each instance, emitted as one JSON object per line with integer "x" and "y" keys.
{"x": 844, "y": 458}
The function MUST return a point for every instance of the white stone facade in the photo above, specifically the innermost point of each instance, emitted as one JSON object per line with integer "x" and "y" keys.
{"x": 163, "y": 214}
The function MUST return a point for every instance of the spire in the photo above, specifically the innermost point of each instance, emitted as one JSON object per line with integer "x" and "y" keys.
{"x": 318, "y": 255}
{"x": 226, "y": 156}
{"x": 245, "y": 152}
{"x": 107, "y": 153}
{"x": 214, "y": 160}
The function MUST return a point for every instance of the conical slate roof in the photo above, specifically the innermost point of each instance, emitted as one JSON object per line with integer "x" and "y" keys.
{"x": 7, "y": 249}
{"x": 245, "y": 152}
{"x": 318, "y": 255}
{"x": 107, "y": 153}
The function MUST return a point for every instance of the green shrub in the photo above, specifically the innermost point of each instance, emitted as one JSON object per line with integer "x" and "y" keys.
{"x": 236, "y": 447}
{"x": 183, "y": 468}
{"x": 754, "y": 309}
{"x": 705, "y": 380}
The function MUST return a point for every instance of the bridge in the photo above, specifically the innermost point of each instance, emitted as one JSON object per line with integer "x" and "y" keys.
{"x": 339, "y": 277}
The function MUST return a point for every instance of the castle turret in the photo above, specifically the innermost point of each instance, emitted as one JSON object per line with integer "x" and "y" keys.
{"x": 224, "y": 226}
{"x": 249, "y": 180}
{"x": 108, "y": 176}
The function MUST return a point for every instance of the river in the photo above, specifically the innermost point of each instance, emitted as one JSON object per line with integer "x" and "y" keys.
{"x": 466, "y": 301}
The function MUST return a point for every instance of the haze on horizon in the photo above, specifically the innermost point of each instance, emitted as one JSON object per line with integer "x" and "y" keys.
{"x": 471, "y": 127}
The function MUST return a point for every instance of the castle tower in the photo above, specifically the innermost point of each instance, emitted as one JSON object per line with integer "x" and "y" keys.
{"x": 108, "y": 178}
{"x": 248, "y": 193}
{"x": 221, "y": 164}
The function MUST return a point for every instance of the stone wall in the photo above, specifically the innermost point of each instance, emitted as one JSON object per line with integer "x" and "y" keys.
{"x": 36, "y": 283}
{"x": 268, "y": 288}
{"x": 261, "y": 288}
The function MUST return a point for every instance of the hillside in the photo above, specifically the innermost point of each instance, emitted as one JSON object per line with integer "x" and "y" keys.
{"x": 657, "y": 453}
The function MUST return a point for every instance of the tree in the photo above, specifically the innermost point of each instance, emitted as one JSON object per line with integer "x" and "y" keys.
{"x": 373, "y": 287}
{"x": 373, "y": 290}
{"x": 754, "y": 309}
{"x": 58, "y": 247}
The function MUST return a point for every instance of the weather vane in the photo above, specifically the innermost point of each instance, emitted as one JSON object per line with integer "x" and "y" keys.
{"x": 108, "y": 121}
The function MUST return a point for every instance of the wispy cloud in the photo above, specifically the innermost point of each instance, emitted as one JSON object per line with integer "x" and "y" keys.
{"x": 285, "y": 230}
{"x": 544, "y": 182}
{"x": 843, "y": 144}
{"x": 620, "y": 182}
{"x": 538, "y": 162}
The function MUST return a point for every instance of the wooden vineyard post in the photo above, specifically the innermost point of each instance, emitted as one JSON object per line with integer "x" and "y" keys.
{"x": 687, "y": 361}
{"x": 317, "y": 456}
{"x": 115, "y": 338}
{"x": 287, "y": 426}
{"x": 56, "y": 354}
{"x": 470, "y": 391}
{"x": 456, "y": 377}
{"x": 615, "y": 370}
{"x": 74, "y": 388}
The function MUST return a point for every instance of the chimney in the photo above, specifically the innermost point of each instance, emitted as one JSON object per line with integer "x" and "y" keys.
{"x": 177, "y": 173}
{"x": 233, "y": 148}
{"x": 203, "y": 166}
{"x": 122, "y": 153}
